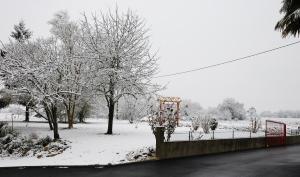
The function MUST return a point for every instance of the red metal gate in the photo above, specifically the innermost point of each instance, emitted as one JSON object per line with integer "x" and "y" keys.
{"x": 275, "y": 133}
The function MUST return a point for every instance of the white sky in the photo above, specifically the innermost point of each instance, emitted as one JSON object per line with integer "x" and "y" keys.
{"x": 194, "y": 33}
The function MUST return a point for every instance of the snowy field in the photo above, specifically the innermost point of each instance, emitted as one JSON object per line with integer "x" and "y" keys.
{"x": 90, "y": 146}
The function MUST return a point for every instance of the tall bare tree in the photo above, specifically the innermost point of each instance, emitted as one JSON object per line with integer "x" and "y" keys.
{"x": 123, "y": 62}
{"x": 73, "y": 66}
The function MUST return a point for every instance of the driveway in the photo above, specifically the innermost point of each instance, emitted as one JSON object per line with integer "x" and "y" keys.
{"x": 272, "y": 162}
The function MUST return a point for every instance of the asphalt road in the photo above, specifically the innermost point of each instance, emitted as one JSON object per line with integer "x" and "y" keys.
{"x": 272, "y": 162}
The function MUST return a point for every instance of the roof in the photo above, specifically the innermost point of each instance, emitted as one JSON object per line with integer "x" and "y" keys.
{"x": 169, "y": 99}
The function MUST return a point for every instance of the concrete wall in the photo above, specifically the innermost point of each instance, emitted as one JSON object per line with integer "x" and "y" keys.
{"x": 290, "y": 140}
{"x": 167, "y": 150}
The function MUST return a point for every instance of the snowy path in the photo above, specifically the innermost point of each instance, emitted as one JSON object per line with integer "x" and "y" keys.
{"x": 272, "y": 162}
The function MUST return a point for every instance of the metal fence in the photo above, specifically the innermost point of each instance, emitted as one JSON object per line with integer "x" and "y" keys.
{"x": 220, "y": 134}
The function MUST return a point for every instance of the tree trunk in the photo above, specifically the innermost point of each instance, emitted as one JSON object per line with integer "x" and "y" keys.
{"x": 48, "y": 117}
{"x": 27, "y": 114}
{"x": 70, "y": 108}
{"x": 117, "y": 110}
{"x": 70, "y": 119}
{"x": 55, "y": 125}
{"x": 50, "y": 124}
{"x": 111, "y": 109}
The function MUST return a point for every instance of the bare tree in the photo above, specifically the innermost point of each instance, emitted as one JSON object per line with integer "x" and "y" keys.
{"x": 123, "y": 64}
{"x": 72, "y": 68}
{"x": 33, "y": 66}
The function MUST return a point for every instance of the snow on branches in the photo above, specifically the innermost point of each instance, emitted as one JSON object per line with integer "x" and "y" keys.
{"x": 109, "y": 56}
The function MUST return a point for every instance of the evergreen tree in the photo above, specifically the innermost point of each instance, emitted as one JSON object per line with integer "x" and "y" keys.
{"x": 21, "y": 33}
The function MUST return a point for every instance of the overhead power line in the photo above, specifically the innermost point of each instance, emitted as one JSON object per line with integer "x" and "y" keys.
{"x": 228, "y": 61}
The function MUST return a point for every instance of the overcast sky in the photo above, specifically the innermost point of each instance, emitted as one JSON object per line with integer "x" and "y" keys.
{"x": 196, "y": 33}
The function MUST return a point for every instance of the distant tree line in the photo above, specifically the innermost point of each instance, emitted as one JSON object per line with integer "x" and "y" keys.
{"x": 281, "y": 114}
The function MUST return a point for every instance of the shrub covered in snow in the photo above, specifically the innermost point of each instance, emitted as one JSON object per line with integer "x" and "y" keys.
{"x": 170, "y": 123}
{"x": 5, "y": 99}
{"x": 205, "y": 121}
{"x": 145, "y": 153}
{"x": 4, "y": 130}
{"x": 167, "y": 118}
{"x": 196, "y": 123}
{"x": 14, "y": 145}
{"x": 255, "y": 122}
{"x": 213, "y": 124}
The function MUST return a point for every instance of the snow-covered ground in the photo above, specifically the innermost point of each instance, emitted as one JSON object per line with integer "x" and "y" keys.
{"x": 89, "y": 144}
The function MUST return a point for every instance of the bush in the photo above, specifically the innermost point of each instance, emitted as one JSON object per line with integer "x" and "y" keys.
{"x": 255, "y": 122}
{"x": 33, "y": 136}
{"x": 170, "y": 123}
{"x": 4, "y": 129}
{"x": 3, "y": 124}
{"x": 5, "y": 99}
{"x": 44, "y": 141}
{"x": 213, "y": 124}
{"x": 203, "y": 120}
{"x": 196, "y": 123}
{"x": 84, "y": 112}
{"x": 165, "y": 118}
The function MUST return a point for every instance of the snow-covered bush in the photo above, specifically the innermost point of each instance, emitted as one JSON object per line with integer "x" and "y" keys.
{"x": 5, "y": 129}
{"x": 213, "y": 124}
{"x": 255, "y": 122}
{"x": 205, "y": 122}
{"x": 5, "y": 99}
{"x": 33, "y": 136}
{"x": 14, "y": 145}
{"x": 154, "y": 119}
{"x": 166, "y": 118}
{"x": 44, "y": 141}
{"x": 196, "y": 123}
{"x": 145, "y": 153}
{"x": 83, "y": 111}
{"x": 170, "y": 123}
